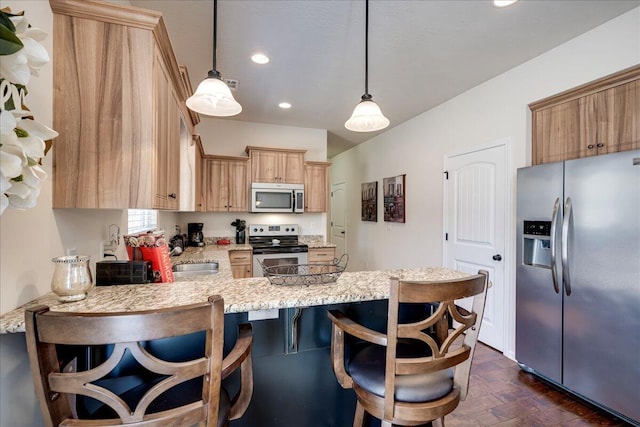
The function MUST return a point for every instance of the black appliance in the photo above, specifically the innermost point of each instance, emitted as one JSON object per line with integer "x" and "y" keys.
{"x": 240, "y": 225}
{"x": 196, "y": 238}
{"x": 120, "y": 272}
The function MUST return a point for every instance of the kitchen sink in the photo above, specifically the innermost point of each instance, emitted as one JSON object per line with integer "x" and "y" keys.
{"x": 195, "y": 269}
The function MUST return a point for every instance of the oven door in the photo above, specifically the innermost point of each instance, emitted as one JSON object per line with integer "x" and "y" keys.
{"x": 270, "y": 260}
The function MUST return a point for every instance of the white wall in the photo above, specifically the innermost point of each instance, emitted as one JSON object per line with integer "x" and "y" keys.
{"x": 494, "y": 110}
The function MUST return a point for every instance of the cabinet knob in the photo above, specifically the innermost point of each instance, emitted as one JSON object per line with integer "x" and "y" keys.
{"x": 590, "y": 146}
{"x": 600, "y": 145}
{"x": 173, "y": 195}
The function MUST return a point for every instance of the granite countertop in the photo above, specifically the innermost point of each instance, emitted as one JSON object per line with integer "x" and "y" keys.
{"x": 239, "y": 295}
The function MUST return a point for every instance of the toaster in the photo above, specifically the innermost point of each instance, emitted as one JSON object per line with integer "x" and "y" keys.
{"x": 116, "y": 272}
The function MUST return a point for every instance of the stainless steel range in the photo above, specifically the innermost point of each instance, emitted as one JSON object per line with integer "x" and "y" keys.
{"x": 276, "y": 245}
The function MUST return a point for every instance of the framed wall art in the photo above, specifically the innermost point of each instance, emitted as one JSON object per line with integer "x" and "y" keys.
{"x": 394, "y": 199}
{"x": 370, "y": 201}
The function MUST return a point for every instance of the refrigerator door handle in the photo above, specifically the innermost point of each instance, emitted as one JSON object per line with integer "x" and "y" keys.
{"x": 566, "y": 276}
{"x": 552, "y": 243}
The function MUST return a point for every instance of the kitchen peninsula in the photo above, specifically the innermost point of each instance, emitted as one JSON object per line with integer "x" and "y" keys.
{"x": 240, "y": 295}
{"x": 293, "y": 380}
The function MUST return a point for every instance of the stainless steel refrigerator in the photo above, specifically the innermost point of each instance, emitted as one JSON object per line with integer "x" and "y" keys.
{"x": 578, "y": 277}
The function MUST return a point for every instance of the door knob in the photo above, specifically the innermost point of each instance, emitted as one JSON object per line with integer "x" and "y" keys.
{"x": 497, "y": 257}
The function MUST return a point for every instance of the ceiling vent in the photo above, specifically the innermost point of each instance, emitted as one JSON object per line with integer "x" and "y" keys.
{"x": 233, "y": 84}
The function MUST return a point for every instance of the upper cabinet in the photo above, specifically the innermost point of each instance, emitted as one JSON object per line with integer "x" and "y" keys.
{"x": 597, "y": 118}
{"x": 227, "y": 184}
{"x": 200, "y": 194}
{"x": 316, "y": 186}
{"x": 118, "y": 106}
{"x": 276, "y": 165}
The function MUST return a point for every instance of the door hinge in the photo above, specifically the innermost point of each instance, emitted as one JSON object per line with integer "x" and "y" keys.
{"x": 446, "y": 175}
{"x": 446, "y": 236}
{"x": 332, "y": 194}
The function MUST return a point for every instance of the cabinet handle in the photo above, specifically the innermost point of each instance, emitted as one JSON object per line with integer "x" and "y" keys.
{"x": 600, "y": 145}
{"x": 173, "y": 195}
{"x": 590, "y": 146}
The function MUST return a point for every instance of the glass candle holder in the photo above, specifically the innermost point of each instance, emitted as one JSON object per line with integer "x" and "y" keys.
{"x": 72, "y": 278}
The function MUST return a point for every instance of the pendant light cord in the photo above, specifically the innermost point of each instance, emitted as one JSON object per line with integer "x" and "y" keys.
{"x": 366, "y": 51}
{"x": 215, "y": 30}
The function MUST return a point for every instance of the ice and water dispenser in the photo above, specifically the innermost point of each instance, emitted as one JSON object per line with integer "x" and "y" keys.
{"x": 537, "y": 243}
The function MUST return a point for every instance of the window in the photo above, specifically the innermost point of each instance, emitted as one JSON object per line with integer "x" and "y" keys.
{"x": 140, "y": 220}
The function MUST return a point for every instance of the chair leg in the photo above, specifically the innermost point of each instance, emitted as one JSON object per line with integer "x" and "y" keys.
{"x": 438, "y": 423}
{"x": 358, "y": 419}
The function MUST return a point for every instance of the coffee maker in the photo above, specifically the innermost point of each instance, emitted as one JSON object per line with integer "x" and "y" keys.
{"x": 196, "y": 238}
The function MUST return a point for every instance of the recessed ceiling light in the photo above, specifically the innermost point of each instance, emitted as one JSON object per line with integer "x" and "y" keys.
{"x": 260, "y": 58}
{"x": 284, "y": 105}
{"x": 503, "y": 3}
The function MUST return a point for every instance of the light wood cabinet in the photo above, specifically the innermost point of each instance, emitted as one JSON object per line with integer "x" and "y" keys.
{"x": 227, "y": 184}
{"x": 116, "y": 109}
{"x": 321, "y": 255}
{"x": 241, "y": 263}
{"x": 200, "y": 169}
{"x": 598, "y": 118}
{"x": 316, "y": 186}
{"x": 276, "y": 165}
{"x": 166, "y": 138}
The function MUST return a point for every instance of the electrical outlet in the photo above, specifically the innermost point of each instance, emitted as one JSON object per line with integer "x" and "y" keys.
{"x": 72, "y": 251}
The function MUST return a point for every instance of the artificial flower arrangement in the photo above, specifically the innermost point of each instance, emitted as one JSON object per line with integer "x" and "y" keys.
{"x": 22, "y": 138}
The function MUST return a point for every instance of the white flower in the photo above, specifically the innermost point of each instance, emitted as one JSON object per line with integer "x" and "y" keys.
{"x": 19, "y": 66}
{"x": 22, "y": 140}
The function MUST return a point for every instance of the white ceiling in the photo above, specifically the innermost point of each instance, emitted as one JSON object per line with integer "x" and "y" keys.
{"x": 421, "y": 53}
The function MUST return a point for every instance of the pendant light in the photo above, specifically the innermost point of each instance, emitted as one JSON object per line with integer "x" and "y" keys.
{"x": 213, "y": 97}
{"x": 367, "y": 116}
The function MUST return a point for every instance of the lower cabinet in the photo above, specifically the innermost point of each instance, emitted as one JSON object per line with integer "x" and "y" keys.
{"x": 240, "y": 261}
{"x": 294, "y": 383}
{"x": 321, "y": 255}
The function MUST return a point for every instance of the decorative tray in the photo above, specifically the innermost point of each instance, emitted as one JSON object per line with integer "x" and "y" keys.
{"x": 305, "y": 274}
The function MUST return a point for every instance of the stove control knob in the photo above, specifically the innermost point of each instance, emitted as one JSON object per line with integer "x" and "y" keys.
{"x": 261, "y": 230}
{"x": 255, "y": 229}
{"x": 286, "y": 229}
{"x": 293, "y": 229}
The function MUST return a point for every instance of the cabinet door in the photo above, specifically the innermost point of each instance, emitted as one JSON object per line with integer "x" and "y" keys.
{"x": 173, "y": 152}
{"x": 199, "y": 193}
{"x": 619, "y": 118}
{"x": 315, "y": 188}
{"x": 238, "y": 186}
{"x": 290, "y": 168}
{"x": 564, "y": 131}
{"x": 161, "y": 137}
{"x": 217, "y": 183}
{"x": 264, "y": 166}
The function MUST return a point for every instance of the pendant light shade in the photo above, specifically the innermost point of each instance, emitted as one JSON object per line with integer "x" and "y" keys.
{"x": 367, "y": 116}
{"x": 213, "y": 97}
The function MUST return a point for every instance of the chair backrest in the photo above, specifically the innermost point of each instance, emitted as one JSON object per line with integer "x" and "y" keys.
{"x": 450, "y": 348}
{"x": 47, "y": 332}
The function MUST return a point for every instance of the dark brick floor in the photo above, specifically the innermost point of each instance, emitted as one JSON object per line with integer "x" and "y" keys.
{"x": 500, "y": 394}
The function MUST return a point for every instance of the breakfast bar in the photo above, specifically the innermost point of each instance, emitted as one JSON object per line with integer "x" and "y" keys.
{"x": 293, "y": 380}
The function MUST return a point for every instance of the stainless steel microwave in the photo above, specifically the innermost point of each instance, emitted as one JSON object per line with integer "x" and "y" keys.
{"x": 277, "y": 198}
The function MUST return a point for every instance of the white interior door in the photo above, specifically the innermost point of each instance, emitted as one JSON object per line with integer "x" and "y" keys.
{"x": 475, "y": 227}
{"x": 338, "y": 218}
